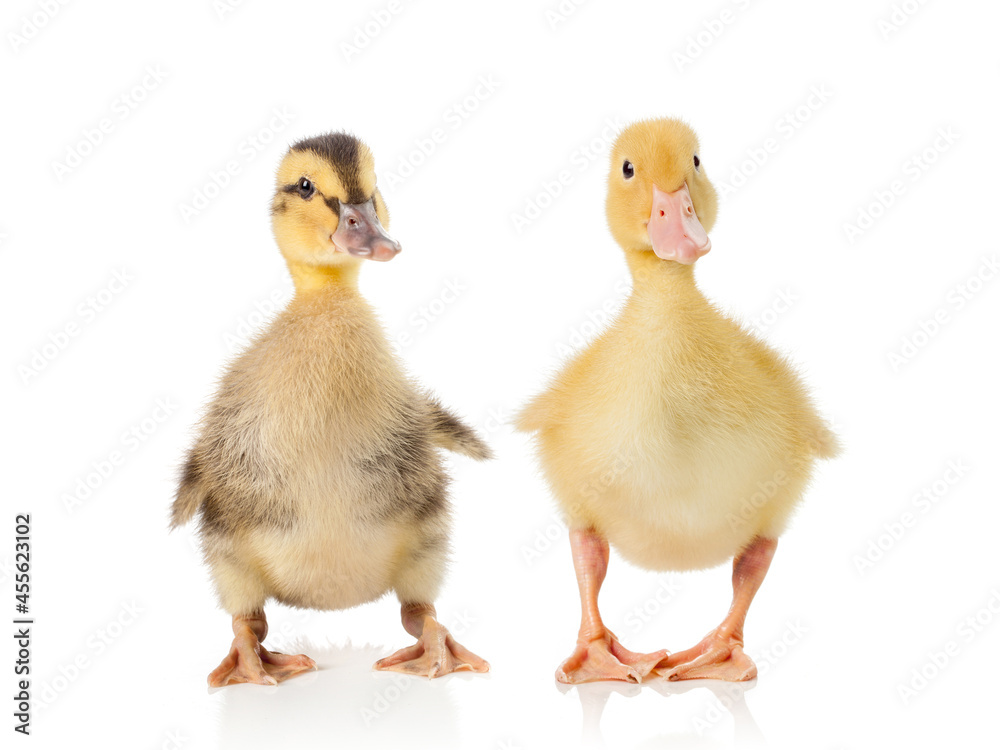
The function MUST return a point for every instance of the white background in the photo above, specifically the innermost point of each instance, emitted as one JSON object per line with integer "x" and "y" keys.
{"x": 127, "y": 627}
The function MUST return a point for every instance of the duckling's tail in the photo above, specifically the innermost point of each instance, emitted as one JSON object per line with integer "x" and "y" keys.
{"x": 452, "y": 434}
{"x": 190, "y": 495}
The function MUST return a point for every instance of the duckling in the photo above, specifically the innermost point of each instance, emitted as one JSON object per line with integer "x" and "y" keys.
{"x": 315, "y": 475}
{"x": 677, "y": 436}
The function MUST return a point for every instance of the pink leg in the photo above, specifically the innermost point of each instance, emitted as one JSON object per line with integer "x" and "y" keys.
{"x": 249, "y": 661}
{"x": 720, "y": 655}
{"x": 435, "y": 653}
{"x": 598, "y": 654}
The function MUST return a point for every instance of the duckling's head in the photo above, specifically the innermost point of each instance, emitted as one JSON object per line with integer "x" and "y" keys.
{"x": 659, "y": 198}
{"x": 326, "y": 210}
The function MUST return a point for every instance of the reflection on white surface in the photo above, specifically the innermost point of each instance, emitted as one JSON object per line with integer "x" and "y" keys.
{"x": 729, "y": 695}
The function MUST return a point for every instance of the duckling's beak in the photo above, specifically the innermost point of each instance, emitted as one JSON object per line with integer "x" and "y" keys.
{"x": 674, "y": 230}
{"x": 360, "y": 233}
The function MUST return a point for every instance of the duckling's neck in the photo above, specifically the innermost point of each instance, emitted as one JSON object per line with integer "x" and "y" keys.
{"x": 309, "y": 279}
{"x": 664, "y": 283}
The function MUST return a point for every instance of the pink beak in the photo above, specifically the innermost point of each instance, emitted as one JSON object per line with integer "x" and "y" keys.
{"x": 360, "y": 233}
{"x": 674, "y": 230}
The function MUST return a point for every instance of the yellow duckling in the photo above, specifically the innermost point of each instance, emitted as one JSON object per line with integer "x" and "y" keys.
{"x": 676, "y": 436}
{"x": 315, "y": 474}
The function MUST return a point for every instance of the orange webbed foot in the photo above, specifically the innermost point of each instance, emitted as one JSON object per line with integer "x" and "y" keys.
{"x": 435, "y": 654}
{"x": 716, "y": 657}
{"x": 604, "y": 658}
{"x": 249, "y": 661}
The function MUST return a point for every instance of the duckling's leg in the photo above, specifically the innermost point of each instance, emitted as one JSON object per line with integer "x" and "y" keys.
{"x": 719, "y": 655}
{"x": 249, "y": 661}
{"x": 435, "y": 653}
{"x": 598, "y": 654}
{"x": 416, "y": 583}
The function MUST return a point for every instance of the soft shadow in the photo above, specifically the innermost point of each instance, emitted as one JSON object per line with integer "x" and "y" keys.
{"x": 730, "y": 696}
{"x": 344, "y": 703}
{"x": 593, "y": 698}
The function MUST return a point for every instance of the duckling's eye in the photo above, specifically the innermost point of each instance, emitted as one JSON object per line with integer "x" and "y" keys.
{"x": 306, "y": 188}
{"x": 628, "y": 170}
{"x": 697, "y": 161}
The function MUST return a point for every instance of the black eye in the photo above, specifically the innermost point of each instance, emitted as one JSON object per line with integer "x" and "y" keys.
{"x": 628, "y": 170}
{"x": 697, "y": 161}
{"x": 306, "y": 188}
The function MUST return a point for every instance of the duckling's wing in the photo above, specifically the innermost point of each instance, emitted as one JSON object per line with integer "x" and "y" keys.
{"x": 451, "y": 433}
{"x": 535, "y": 415}
{"x": 825, "y": 443}
{"x": 190, "y": 494}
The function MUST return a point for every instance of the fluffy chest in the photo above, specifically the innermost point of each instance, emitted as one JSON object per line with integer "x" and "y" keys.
{"x": 320, "y": 373}
{"x": 658, "y": 404}
{"x": 317, "y": 419}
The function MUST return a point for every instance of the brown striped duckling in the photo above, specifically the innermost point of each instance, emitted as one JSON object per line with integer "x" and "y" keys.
{"x": 316, "y": 476}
